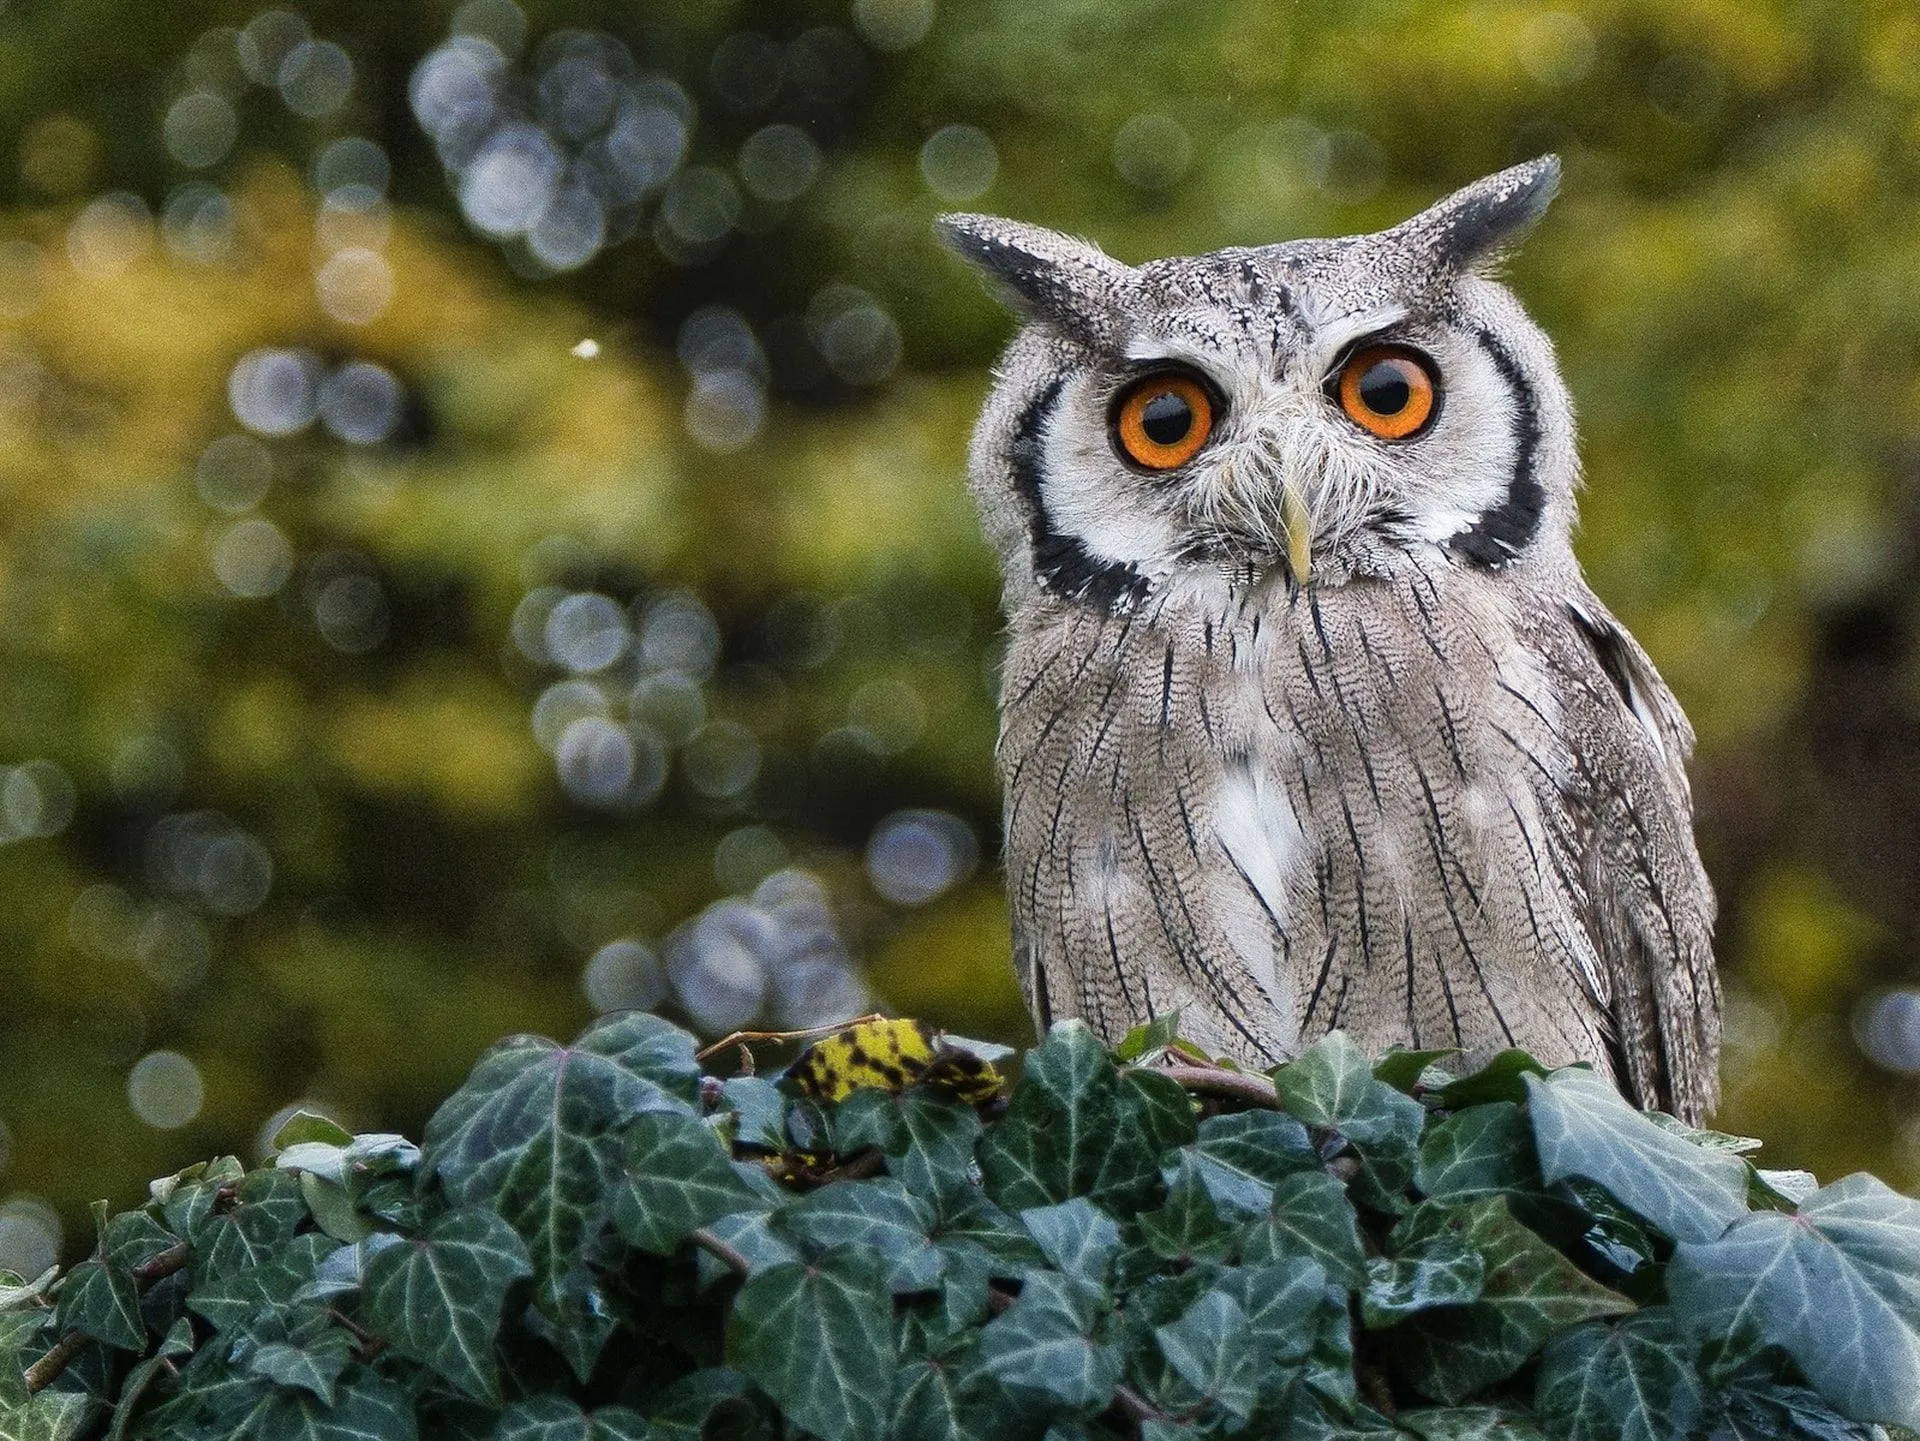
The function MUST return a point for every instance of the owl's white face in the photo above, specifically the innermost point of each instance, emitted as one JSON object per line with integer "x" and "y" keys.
{"x": 1275, "y": 410}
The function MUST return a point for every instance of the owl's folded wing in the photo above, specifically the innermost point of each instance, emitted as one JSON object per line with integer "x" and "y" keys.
{"x": 1650, "y": 906}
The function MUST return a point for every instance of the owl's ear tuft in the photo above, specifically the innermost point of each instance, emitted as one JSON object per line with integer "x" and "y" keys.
{"x": 1477, "y": 225}
{"x": 1042, "y": 274}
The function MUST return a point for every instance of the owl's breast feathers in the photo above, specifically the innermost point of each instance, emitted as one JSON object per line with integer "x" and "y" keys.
{"x": 1430, "y": 809}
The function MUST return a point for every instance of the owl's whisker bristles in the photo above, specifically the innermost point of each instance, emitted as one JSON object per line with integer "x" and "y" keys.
{"x": 1286, "y": 492}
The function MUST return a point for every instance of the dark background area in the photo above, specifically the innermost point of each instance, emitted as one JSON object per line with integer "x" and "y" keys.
{"x": 483, "y": 532}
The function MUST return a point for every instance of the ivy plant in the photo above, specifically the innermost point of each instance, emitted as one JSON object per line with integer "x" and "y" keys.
{"x": 603, "y": 1242}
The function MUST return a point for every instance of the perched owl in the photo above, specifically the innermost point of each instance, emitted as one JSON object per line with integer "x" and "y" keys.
{"x": 1309, "y": 719}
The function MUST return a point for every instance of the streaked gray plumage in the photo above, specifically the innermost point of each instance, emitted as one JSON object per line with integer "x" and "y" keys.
{"x": 1318, "y": 729}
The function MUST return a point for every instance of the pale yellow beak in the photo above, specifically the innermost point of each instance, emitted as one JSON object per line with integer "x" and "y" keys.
{"x": 1299, "y": 527}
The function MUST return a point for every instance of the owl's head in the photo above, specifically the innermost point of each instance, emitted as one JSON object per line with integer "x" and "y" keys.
{"x": 1287, "y": 410}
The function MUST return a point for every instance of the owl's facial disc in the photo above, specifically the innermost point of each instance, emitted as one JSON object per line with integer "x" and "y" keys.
{"x": 1297, "y": 405}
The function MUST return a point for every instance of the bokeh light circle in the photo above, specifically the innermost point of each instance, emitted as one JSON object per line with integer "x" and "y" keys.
{"x": 624, "y": 976}
{"x": 274, "y": 392}
{"x": 234, "y": 473}
{"x": 1153, "y": 152}
{"x": 252, "y": 558}
{"x": 959, "y": 163}
{"x": 893, "y": 24}
{"x": 360, "y": 402}
{"x": 200, "y": 129}
{"x": 915, "y": 856}
{"x": 30, "y": 1236}
{"x": 165, "y": 1090}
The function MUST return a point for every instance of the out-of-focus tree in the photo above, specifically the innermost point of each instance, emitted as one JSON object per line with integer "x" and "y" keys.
{"x": 485, "y": 534}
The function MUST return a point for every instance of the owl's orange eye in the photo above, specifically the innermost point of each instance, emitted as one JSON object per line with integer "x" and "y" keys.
{"x": 1388, "y": 391}
{"x": 1162, "y": 421}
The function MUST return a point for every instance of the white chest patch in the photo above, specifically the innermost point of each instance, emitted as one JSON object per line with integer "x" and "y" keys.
{"x": 1257, "y": 828}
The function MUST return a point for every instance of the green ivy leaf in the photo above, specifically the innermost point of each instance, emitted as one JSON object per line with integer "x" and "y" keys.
{"x": 537, "y": 1131}
{"x": 1156, "y": 1113}
{"x": 1482, "y": 1152}
{"x": 881, "y": 1216}
{"x": 750, "y": 1233}
{"x": 1502, "y": 1079}
{"x": 1073, "y": 1129}
{"x": 575, "y": 1317}
{"x": 927, "y": 1135}
{"x": 1582, "y": 1127}
{"x": 759, "y": 1110}
{"x": 867, "y": 1118}
{"x": 314, "y": 1366}
{"x": 1075, "y": 1237}
{"x": 310, "y": 1127}
{"x": 333, "y": 1209}
{"x": 1043, "y": 1346}
{"x": 1470, "y": 1423}
{"x": 1711, "y": 1140}
{"x": 100, "y": 1299}
{"x": 1630, "y": 1380}
{"x": 1762, "y": 1409}
{"x": 178, "y": 1342}
{"x": 838, "y": 1383}
{"x": 438, "y": 1297}
{"x": 1242, "y": 1156}
{"x": 1213, "y": 1350}
{"x": 237, "y": 1292}
{"x": 1446, "y": 1271}
{"x": 556, "y": 1418}
{"x": 1189, "y": 1225}
{"x": 1150, "y": 1039}
{"x": 20, "y": 1335}
{"x": 134, "y": 1238}
{"x": 701, "y": 1404}
{"x": 1610, "y": 1237}
{"x": 49, "y": 1416}
{"x": 678, "y": 1177}
{"x": 939, "y": 1134}
{"x": 1531, "y": 1292}
{"x": 935, "y": 1401}
{"x": 368, "y": 1409}
{"x": 1836, "y": 1286}
{"x": 1280, "y": 1302}
{"x": 1779, "y": 1190}
{"x": 188, "y": 1197}
{"x": 209, "y": 1398}
{"x": 243, "y": 1258}
{"x": 1403, "y": 1069}
{"x": 1311, "y": 1217}
{"x": 1332, "y": 1084}
{"x": 970, "y": 1224}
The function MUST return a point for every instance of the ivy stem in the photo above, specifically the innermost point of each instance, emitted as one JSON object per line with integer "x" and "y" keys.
{"x": 44, "y": 1372}
{"x": 41, "y": 1373}
{"x": 715, "y": 1247}
{"x": 1213, "y": 1081}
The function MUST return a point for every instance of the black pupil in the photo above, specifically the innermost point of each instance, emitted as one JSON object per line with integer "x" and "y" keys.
{"x": 1167, "y": 418}
{"x": 1384, "y": 387}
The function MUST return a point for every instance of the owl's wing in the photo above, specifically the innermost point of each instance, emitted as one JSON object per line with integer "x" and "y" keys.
{"x": 1650, "y": 906}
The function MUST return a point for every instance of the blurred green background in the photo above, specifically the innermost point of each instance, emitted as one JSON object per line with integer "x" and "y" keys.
{"x": 483, "y": 532}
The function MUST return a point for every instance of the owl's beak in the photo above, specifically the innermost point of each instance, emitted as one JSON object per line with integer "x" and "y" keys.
{"x": 1299, "y": 527}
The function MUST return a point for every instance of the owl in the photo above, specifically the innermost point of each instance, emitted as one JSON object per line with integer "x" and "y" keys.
{"x": 1309, "y": 719}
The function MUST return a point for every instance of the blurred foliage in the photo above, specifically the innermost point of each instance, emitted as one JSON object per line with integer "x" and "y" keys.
{"x": 286, "y": 830}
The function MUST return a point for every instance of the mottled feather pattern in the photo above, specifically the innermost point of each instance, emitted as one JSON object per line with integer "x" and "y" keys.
{"x": 1438, "y": 890}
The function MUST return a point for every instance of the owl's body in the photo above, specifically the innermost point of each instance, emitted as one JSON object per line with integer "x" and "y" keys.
{"x": 1310, "y": 728}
